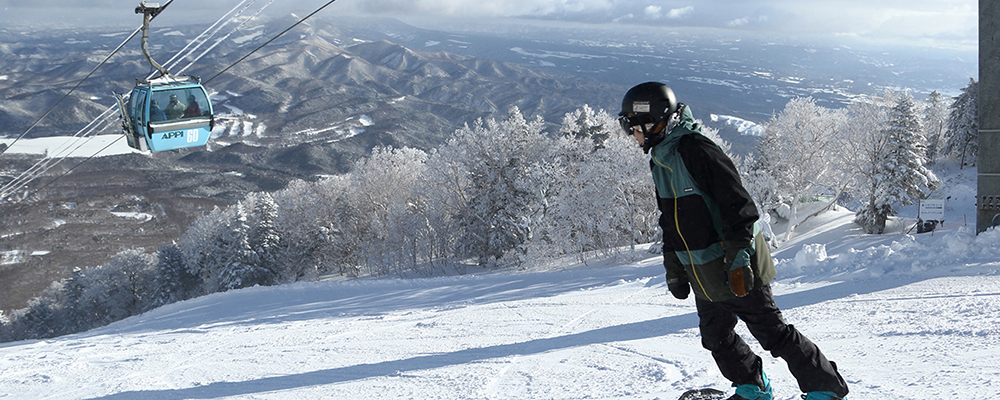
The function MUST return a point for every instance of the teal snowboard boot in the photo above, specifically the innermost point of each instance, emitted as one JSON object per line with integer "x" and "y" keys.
{"x": 821, "y": 396}
{"x": 754, "y": 392}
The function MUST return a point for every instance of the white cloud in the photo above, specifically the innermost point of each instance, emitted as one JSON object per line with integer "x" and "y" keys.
{"x": 652, "y": 11}
{"x": 932, "y": 21}
{"x": 680, "y": 12}
{"x": 736, "y": 23}
{"x": 625, "y": 17}
{"x": 481, "y": 8}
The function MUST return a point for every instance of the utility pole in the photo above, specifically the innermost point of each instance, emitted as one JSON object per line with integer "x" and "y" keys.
{"x": 988, "y": 196}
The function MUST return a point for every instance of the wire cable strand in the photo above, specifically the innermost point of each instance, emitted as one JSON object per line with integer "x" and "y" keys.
{"x": 7, "y": 191}
{"x": 271, "y": 40}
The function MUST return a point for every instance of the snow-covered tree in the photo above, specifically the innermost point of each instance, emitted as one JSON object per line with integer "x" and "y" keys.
{"x": 5, "y": 325}
{"x": 240, "y": 266}
{"x": 445, "y": 186}
{"x": 120, "y": 288}
{"x": 909, "y": 178}
{"x": 800, "y": 151}
{"x": 961, "y": 140}
{"x": 867, "y": 149}
{"x": 318, "y": 224}
{"x": 265, "y": 238}
{"x": 40, "y": 319}
{"x": 205, "y": 247}
{"x": 889, "y": 154}
{"x": 934, "y": 122}
{"x": 585, "y": 122}
{"x": 76, "y": 315}
{"x": 494, "y": 163}
{"x": 383, "y": 190}
{"x": 606, "y": 202}
{"x": 172, "y": 281}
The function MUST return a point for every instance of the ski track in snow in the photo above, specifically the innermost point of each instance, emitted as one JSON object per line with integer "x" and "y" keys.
{"x": 609, "y": 333}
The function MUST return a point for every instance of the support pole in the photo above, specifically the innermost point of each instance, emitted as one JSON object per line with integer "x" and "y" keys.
{"x": 150, "y": 11}
{"x": 988, "y": 196}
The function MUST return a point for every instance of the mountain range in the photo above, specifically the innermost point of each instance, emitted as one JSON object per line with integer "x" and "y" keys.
{"x": 318, "y": 98}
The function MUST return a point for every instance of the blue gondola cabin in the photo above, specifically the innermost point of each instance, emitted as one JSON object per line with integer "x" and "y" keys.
{"x": 168, "y": 113}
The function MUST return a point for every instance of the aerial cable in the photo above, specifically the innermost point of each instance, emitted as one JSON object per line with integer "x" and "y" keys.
{"x": 184, "y": 52}
{"x": 45, "y": 164}
{"x": 57, "y": 155}
{"x": 70, "y": 91}
{"x": 195, "y": 40}
{"x": 63, "y": 152}
{"x": 217, "y": 42}
{"x": 271, "y": 40}
{"x": 80, "y": 163}
{"x": 5, "y": 190}
{"x": 2, "y": 151}
{"x": 60, "y": 153}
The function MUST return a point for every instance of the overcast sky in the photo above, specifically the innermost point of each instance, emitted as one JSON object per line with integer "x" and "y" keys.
{"x": 950, "y": 23}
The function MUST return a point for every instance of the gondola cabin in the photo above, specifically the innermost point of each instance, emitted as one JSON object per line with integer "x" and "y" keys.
{"x": 167, "y": 113}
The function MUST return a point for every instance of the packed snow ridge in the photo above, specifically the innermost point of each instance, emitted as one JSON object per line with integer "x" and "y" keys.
{"x": 742, "y": 126}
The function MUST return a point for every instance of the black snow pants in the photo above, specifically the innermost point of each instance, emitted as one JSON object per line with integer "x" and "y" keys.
{"x": 740, "y": 365}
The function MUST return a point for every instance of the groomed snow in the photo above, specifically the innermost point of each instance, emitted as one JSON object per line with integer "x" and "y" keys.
{"x": 67, "y": 146}
{"x": 904, "y": 317}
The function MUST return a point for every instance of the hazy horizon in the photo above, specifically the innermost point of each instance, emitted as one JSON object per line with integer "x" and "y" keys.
{"x": 950, "y": 24}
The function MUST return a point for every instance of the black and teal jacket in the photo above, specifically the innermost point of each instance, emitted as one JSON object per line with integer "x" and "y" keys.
{"x": 702, "y": 204}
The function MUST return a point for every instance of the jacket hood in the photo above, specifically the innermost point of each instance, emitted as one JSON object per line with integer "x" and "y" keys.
{"x": 686, "y": 126}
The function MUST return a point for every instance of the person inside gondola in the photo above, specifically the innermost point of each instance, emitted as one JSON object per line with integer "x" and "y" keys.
{"x": 175, "y": 109}
{"x": 193, "y": 110}
{"x": 155, "y": 112}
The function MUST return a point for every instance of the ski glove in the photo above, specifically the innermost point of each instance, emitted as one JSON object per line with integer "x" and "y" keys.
{"x": 740, "y": 275}
{"x": 677, "y": 281}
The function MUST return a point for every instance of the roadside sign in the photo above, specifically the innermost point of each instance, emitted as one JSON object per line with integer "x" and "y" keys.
{"x": 932, "y": 210}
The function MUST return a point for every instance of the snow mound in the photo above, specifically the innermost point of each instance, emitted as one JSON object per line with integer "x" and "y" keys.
{"x": 906, "y": 255}
{"x": 809, "y": 255}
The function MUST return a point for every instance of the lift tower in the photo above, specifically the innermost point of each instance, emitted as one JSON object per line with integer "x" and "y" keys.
{"x": 988, "y": 196}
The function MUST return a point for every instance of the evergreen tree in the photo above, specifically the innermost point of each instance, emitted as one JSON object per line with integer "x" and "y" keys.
{"x": 897, "y": 173}
{"x": 5, "y": 324}
{"x": 909, "y": 178}
{"x": 934, "y": 122}
{"x": 265, "y": 238}
{"x": 962, "y": 137}
{"x": 172, "y": 281}
{"x": 76, "y": 316}
{"x": 240, "y": 267}
{"x": 206, "y": 246}
{"x": 587, "y": 123}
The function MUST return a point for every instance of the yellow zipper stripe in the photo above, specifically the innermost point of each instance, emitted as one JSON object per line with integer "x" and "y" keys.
{"x": 677, "y": 226}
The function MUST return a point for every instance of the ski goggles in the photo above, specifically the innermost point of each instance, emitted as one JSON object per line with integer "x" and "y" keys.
{"x": 631, "y": 120}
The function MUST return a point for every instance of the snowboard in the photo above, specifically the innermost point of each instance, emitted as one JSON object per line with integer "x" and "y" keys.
{"x": 703, "y": 394}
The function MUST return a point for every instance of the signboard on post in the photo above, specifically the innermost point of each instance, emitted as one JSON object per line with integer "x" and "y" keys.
{"x": 931, "y": 210}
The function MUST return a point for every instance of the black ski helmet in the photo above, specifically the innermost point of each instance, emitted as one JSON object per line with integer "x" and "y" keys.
{"x": 646, "y": 103}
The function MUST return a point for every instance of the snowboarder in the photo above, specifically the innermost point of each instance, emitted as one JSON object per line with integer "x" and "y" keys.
{"x": 712, "y": 244}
